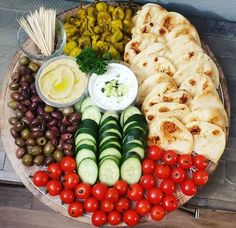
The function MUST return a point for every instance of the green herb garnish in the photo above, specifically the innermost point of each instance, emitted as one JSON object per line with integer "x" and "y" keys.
{"x": 91, "y": 61}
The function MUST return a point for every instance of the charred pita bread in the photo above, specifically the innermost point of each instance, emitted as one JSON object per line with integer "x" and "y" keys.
{"x": 170, "y": 134}
{"x": 165, "y": 109}
{"x": 209, "y": 139}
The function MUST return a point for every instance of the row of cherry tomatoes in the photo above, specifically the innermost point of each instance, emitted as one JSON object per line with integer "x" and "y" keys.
{"x": 153, "y": 195}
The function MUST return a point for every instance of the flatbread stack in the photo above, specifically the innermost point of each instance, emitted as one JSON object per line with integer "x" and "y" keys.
{"x": 178, "y": 84}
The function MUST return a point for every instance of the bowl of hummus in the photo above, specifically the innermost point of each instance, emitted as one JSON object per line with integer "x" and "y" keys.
{"x": 60, "y": 83}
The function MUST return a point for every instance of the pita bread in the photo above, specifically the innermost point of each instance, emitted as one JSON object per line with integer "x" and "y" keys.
{"x": 197, "y": 84}
{"x": 170, "y": 134}
{"x": 149, "y": 83}
{"x": 180, "y": 96}
{"x": 212, "y": 115}
{"x": 167, "y": 109}
{"x": 209, "y": 139}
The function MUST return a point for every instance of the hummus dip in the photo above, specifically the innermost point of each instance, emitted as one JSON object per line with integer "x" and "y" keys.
{"x": 61, "y": 82}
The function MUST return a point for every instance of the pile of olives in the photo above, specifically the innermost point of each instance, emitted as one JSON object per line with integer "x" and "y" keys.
{"x": 42, "y": 133}
{"x": 103, "y": 27}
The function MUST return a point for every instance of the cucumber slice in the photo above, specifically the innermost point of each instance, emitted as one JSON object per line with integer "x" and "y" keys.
{"x": 122, "y": 119}
{"x": 86, "y": 103}
{"x": 109, "y": 133}
{"x": 88, "y": 171}
{"x": 88, "y": 123}
{"x": 86, "y": 142}
{"x": 109, "y": 120}
{"x": 136, "y": 117}
{"x": 134, "y": 136}
{"x": 139, "y": 131}
{"x": 114, "y": 145}
{"x": 82, "y": 136}
{"x": 139, "y": 150}
{"x": 136, "y": 141}
{"x": 84, "y": 153}
{"x": 92, "y": 113}
{"x": 87, "y": 147}
{"x": 131, "y": 170}
{"x": 130, "y": 111}
{"x": 77, "y": 106}
{"x": 109, "y": 114}
{"x": 135, "y": 124}
{"x": 114, "y": 158}
{"x": 110, "y": 151}
{"x": 109, "y": 140}
{"x": 109, "y": 172}
{"x": 110, "y": 128}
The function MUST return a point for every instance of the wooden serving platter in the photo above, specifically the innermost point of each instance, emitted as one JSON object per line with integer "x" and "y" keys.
{"x": 24, "y": 172}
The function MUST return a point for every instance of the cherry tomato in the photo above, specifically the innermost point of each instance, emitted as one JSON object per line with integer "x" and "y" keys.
{"x": 131, "y": 217}
{"x": 121, "y": 187}
{"x": 82, "y": 190}
{"x": 170, "y": 157}
{"x": 99, "y": 218}
{"x": 200, "y": 177}
{"x": 168, "y": 186}
{"x": 185, "y": 161}
{"x": 154, "y": 195}
{"x": 142, "y": 206}
{"x": 114, "y": 218}
{"x": 157, "y": 213}
{"x": 40, "y": 179}
{"x": 135, "y": 192}
{"x": 67, "y": 196}
{"x": 148, "y": 166}
{"x": 99, "y": 191}
{"x": 169, "y": 203}
{"x": 76, "y": 209}
{"x": 178, "y": 175}
{"x": 91, "y": 204}
{"x": 112, "y": 195}
{"x": 200, "y": 162}
{"x": 70, "y": 180}
{"x": 154, "y": 152}
{"x": 147, "y": 181}
{"x": 122, "y": 204}
{"x": 162, "y": 171}
{"x": 54, "y": 187}
{"x": 188, "y": 187}
{"x": 54, "y": 171}
{"x": 68, "y": 164}
{"x": 107, "y": 206}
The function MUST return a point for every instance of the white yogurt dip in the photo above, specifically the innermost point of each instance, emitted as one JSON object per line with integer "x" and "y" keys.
{"x": 114, "y": 90}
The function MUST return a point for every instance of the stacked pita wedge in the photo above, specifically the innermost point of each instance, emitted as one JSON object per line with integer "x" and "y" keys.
{"x": 178, "y": 84}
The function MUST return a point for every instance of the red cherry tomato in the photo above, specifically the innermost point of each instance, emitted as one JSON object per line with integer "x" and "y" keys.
{"x": 200, "y": 177}
{"x": 121, "y": 187}
{"x": 169, "y": 157}
{"x": 185, "y": 161}
{"x": 148, "y": 166}
{"x": 68, "y": 164}
{"x": 70, "y": 180}
{"x": 54, "y": 171}
{"x": 169, "y": 203}
{"x": 99, "y": 191}
{"x": 167, "y": 186}
{"x": 131, "y": 217}
{"x": 54, "y": 187}
{"x": 112, "y": 195}
{"x": 82, "y": 190}
{"x": 142, "y": 206}
{"x": 154, "y": 152}
{"x": 91, "y": 204}
{"x": 154, "y": 195}
{"x": 114, "y": 218}
{"x": 107, "y": 206}
{"x": 67, "y": 196}
{"x": 157, "y": 213}
{"x": 147, "y": 181}
{"x": 178, "y": 175}
{"x": 40, "y": 179}
{"x": 200, "y": 162}
{"x": 99, "y": 218}
{"x": 188, "y": 187}
{"x": 76, "y": 209}
{"x": 122, "y": 204}
{"x": 162, "y": 171}
{"x": 135, "y": 192}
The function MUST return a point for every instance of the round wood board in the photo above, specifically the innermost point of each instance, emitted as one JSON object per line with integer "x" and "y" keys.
{"x": 24, "y": 172}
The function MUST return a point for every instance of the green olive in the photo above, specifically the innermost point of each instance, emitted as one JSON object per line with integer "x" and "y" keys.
{"x": 25, "y": 134}
{"x": 58, "y": 155}
{"x": 13, "y": 121}
{"x": 48, "y": 148}
{"x": 13, "y": 104}
{"x": 33, "y": 66}
{"x": 19, "y": 114}
{"x": 24, "y": 61}
{"x": 41, "y": 141}
{"x": 27, "y": 160}
{"x": 48, "y": 108}
{"x": 38, "y": 160}
{"x": 30, "y": 142}
{"x": 35, "y": 150}
{"x": 14, "y": 86}
{"x": 67, "y": 111}
{"x": 20, "y": 142}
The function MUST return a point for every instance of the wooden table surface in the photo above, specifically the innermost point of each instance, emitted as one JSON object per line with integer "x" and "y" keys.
{"x": 220, "y": 192}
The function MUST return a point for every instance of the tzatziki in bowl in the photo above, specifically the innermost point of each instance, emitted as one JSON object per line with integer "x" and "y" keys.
{"x": 114, "y": 90}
